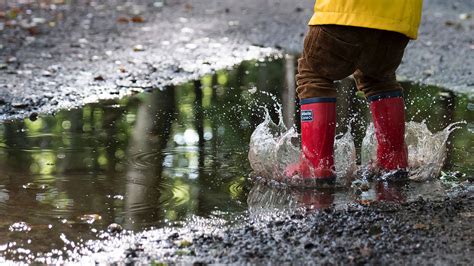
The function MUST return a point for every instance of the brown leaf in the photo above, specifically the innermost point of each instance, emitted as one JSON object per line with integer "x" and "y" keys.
{"x": 138, "y": 19}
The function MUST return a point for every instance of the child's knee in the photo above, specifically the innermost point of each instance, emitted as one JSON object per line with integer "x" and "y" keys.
{"x": 371, "y": 86}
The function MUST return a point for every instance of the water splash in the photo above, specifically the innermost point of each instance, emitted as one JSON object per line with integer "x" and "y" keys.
{"x": 273, "y": 148}
{"x": 426, "y": 150}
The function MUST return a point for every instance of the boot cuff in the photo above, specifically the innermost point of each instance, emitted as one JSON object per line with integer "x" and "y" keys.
{"x": 317, "y": 100}
{"x": 385, "y": 95}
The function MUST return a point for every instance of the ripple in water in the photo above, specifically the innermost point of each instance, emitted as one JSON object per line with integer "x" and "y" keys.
{"x": 273, "y": 148}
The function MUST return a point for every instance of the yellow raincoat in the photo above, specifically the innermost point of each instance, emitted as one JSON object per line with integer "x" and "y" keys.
{"x": 393, "y": 15}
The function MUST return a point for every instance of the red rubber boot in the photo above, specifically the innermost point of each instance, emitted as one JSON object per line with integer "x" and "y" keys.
{"x": 318, "y": 129}
{"x": 388, "y": 114}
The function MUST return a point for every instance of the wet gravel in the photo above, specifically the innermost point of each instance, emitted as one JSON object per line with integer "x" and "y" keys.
{"x": 424, "y": 231}
{"x": 96, "y": 51}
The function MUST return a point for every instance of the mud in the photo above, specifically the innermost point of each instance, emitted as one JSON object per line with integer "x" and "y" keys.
{"x": 90, "y": 53}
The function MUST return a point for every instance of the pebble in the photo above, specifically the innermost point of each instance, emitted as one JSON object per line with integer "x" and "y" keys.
{"x": 114, "y": 228}
{"x": 33, "y": 116}
{"x": 139, "y": 48}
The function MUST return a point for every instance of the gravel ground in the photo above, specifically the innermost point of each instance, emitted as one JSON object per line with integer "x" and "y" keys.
{"x": 96, "y": 52}
{"x": 420, "y": 232}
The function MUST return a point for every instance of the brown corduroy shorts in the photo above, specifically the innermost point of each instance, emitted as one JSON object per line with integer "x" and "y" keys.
{"x": 333, "y": 52}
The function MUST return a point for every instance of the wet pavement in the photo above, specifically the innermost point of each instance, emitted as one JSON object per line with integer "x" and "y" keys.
{"x": 170, "y": 168}
{"x": 84, "y": 51}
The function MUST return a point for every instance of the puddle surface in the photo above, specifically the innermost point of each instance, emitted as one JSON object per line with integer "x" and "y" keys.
{"x": 158, "y": 158}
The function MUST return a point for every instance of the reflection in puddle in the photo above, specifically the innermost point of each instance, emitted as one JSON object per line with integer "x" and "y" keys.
{"x": 159, "y": 158}
{"x": 264, "y": 199}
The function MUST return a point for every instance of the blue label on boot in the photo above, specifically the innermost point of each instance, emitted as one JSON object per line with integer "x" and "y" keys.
{"x": 306, "y": 116}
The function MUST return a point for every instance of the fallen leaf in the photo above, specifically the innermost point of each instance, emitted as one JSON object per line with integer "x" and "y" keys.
{"x": 138, "y": 19}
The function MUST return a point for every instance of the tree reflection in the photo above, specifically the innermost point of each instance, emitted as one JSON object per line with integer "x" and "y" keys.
{"x": 149, "y": 138}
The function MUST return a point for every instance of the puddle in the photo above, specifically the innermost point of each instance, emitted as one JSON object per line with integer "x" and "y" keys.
{"x": 264, "y": 200}
{"x": 159, "y": 158}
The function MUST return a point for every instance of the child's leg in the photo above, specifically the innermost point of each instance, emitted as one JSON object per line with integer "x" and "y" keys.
{"x": 376, "y": 78}
{"x": 328, "y": 55}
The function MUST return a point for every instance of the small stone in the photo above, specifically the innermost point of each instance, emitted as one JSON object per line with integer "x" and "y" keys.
{"x": 33, "y": 116}
{"x": 11, "y": 60}
{"x": 46, "y": 73}
{"x": 158, "y": 4}
{"x": 428, "y": 72}
{"x": 173, "y": 236}
{"x": 464, "y": 16}
{"x": 99, "y": 78}
{"x": 83, "y": 41}
{"x": 114, "y": 228}
{"x": 19, "y": 105}
{"x": 38, "y": 21}
{"x": 138, "y": 48}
